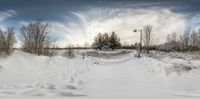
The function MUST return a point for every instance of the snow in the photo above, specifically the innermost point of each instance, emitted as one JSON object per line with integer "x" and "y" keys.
{"x": 26, "y": 74}
{"x": 121, "y": 75}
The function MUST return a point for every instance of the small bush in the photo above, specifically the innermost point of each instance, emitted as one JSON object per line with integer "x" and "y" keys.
{"x": 69, "y": 53}
{"x": 49, "y": 52}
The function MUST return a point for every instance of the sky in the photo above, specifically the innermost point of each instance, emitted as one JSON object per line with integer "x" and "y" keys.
{"x": 79, "y": 21}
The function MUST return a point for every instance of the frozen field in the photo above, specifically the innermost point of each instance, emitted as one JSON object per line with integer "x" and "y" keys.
{"x": 117, "y": 74}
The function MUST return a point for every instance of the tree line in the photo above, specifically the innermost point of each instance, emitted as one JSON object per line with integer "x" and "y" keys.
{"x": 188, "y": 41}
{"x": 36, "y": 39}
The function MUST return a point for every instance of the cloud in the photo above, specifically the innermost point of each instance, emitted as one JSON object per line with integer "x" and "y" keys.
{"x": 4, "y": 15}
{"x": 7, "y": 14}
{"x": 86, "y": 24}
{"x": 68, "y": 34}
{"x": 122, "y": 21}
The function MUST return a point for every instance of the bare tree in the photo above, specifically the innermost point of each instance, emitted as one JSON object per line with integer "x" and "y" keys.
{"x": 171, "y": 37}
{"x": 86, "y": 45}
{"x": 174, "y": 37}
{"x": 36, "y": 37}
{"x": 2, "y": 42}
{"x": 7, "y": 39}
{"x": 185, "y": 38}
{"x": 198, "y": 35}
{"x": 194, "y": 39}
{"x": 10, "y": 39}
{"x": 148, "y": 37}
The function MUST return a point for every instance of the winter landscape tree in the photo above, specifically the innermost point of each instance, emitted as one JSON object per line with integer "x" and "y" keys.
{"x": 114, "y": 41}
{"x": 194, "y": 39}
{"x": 148, "y": 37}
{"x": 7, "y": 40}
{"x": 185, "y": 39}
{"x": 171, "y": 37}
{"x": 97, "y": 41}
{"x": 36, "y": 37}
{"x": 105, "y": 41}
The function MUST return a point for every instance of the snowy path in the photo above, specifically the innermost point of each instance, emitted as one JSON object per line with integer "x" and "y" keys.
{"x": 25, "y": 74}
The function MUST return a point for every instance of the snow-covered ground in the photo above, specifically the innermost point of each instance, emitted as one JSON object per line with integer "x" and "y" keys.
{"x": 27, "y": 74}
{"x": 117, "y": 74}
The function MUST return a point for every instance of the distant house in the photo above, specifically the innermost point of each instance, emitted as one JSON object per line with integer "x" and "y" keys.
{"x": 101, "y": 47}
{"x": 105, "y": 48}
{"x": 172, "y": 46}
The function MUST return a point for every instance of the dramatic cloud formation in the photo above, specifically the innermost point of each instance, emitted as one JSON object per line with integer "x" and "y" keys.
{"x": 80, "y": 21}
{"x": 122, "y": 21}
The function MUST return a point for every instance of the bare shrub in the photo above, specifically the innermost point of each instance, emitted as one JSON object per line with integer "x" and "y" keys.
{"x": 36, "y": 38}
{"x": 69, "y": 53}
{"x": 50, "y": 52}
{"x": 179, "y": 69}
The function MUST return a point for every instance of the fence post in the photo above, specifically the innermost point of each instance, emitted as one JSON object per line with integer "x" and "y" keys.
{"x": 83, "y": 55}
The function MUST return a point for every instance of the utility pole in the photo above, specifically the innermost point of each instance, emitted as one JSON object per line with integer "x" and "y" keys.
{"x": 83, "y": 55}
{"x": 140, "y": 44}
{"x": 140, "y": 41}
